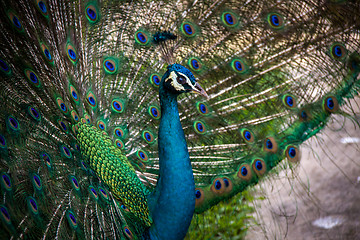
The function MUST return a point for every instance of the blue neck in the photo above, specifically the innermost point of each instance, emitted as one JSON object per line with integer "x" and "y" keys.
{"x": 174, "y": 197}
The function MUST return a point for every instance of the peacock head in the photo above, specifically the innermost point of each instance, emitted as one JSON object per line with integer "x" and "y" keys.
{"x": 178, "y": 79}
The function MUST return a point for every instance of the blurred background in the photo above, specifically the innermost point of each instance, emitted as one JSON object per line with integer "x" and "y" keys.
{"x": 316, "y": 199}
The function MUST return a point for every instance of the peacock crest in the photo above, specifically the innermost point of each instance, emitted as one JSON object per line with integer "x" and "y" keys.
{"x": 101, "y": 136}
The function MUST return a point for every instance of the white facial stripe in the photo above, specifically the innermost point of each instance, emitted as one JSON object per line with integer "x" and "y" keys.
{"x": 174, "y": 82}
{"x": 187, "y": 80}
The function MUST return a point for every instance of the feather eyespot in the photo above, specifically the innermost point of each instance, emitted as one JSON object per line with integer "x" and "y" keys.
{"x": 74, "y": 183}
{"x": 91, "y": 99}
{"x": 70, "y": 216}
{"x": 62, "y": 105}
{"x": 32, "y": 77}
{"x": 119, "y": 132}
{"x": 117, "y": 106}
{"x": 34, "y": 113}
{"x": 142, "y": 38}
{"x": 47, "y": 53}
{"x": 154, "y": 112}
{"x": 338, "y": 51}
{"x": 188, "y": 29}
{"x": 91, "y": 13}
{"x": 199, "y": 196}
{"x": 13, "y": 123}
{"x": 77, "y": 147}
{"x": 259, "y": 167}
{"x": 202, "y": 108}
{"x": 331, "y": 104}
{"x": 15, "y": 21}
{"x": 218, "y": 186}
{"x": 155, "y": 80}
{"x": 36, "y": 181}
{"x": 46, "y": 158}
{"x": 5, "y": 216}
{"x": 4, "y": 67}
{"x": 42, "y": 7}
{"x": 71, "y": 53}
{"x": 101, "y": 125}
{"x": 227, "y": 184}
{"x": 238, "y": 66}
{"x": 87, "y": 117}
{"x": 32, "y": 205}
{"x": 289, "y": 101}
{"x": 229, "y": 19}
{"x": 292, "y": 154}
{"x": 304, "y": 115}
{"x": 275, "y": 21}
{"x": 199, "y": 127}
{"x": 244, "y": 172}
{"x": 2, "y": 141}
{"x": 103, "y": 193}
{"x": 110, "y": 65}
{"x": 75, "y": 116}
{"x": 128, "y": 232}
{"x": 6, "y": 181}
{"x": 93, "y": 192}
{"x": 119, "y": 144}
{"x": 148, "y": 137}
{"x": 65, "y": 151}
{"x": 123, "y": 207}
{"x": 74, "y": 95}
{"x": 247, "y": 135}
{"x": 142, "y": 155}
{"x": 195, "y": 64}
{"x": 63, "y": 126}
{"x": 270, "y": 145}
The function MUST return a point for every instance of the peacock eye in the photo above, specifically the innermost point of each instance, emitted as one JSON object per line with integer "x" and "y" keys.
{"x": 181, "y": 79}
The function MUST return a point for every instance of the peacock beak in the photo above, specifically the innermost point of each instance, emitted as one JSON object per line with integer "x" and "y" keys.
{"x": 198, "y": 89}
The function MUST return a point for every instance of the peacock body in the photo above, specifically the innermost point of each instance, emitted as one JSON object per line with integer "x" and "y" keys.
{"x": 98, "y": 139}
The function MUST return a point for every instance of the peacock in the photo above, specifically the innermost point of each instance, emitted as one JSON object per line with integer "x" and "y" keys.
{"x": 123, "y": 119}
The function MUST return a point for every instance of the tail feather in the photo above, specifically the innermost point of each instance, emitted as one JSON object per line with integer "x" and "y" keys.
{"x": 275, "y": 73}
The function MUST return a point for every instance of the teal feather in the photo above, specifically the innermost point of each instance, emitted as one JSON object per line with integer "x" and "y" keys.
{"x": 99, "y": 138}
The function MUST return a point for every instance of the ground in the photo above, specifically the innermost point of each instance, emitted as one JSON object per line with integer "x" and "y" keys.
{"x": 322, "y": 198}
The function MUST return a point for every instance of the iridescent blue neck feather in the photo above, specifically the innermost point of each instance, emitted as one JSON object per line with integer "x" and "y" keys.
{"x": 174, "y": 201}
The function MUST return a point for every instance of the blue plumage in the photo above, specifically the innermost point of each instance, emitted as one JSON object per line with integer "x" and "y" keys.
{"x": 99, "y": 136}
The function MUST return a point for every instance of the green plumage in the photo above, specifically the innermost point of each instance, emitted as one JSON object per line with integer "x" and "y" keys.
{"x": 80, "y": 110}
{"x": 113, "y": 168}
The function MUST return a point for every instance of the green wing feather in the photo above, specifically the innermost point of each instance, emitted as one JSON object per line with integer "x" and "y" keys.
{"x": 274, "y": 73}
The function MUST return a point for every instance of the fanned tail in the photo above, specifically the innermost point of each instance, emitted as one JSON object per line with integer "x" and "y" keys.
{"x": 275, "y": 73}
